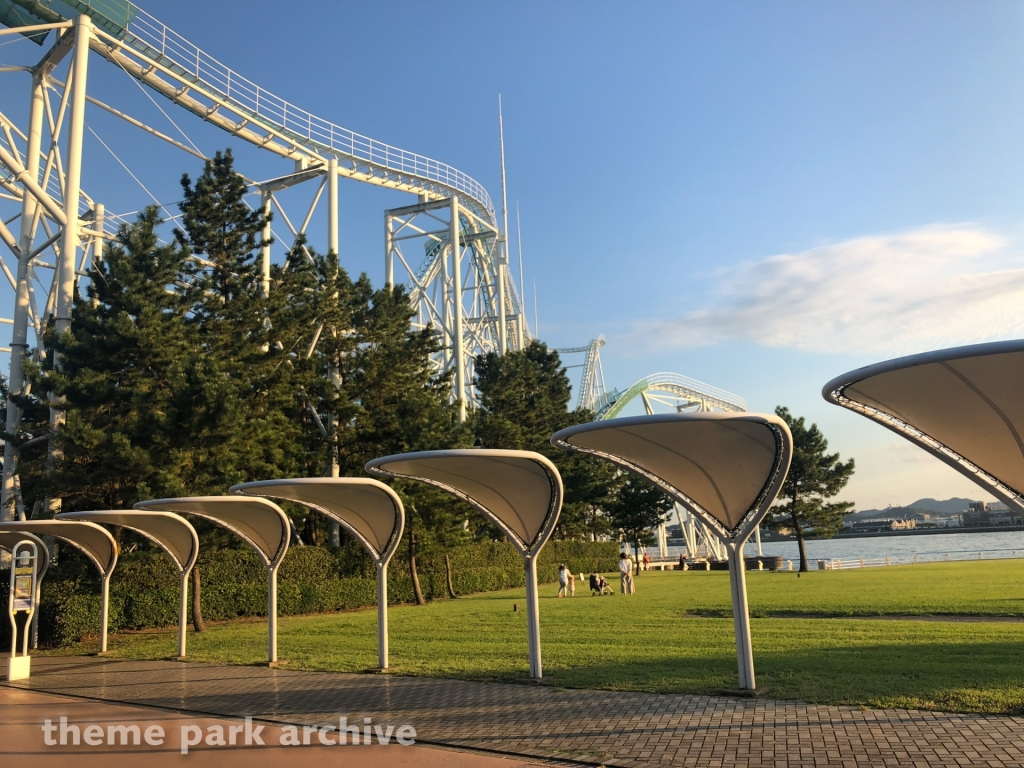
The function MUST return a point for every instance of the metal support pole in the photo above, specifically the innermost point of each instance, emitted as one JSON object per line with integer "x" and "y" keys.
{"x": 265, "y": 250}
{"x": 533, "y": 617}
{"x": 382, "y": 614}
{"x": 757, "y": 537}
{"x": 73, "y": 177}
{"x": 460, "y": 351}
{"x": 19, "y": 337}
{"x": 740, "y": 614}
{"x": 71, "y": 240}
{"x": 389, "y": 256}
{"x": 272, "y": 615}
{"x": 99, "y": 213}
{"x": 104, "y": 612}
{"x": 182, "y": 613}
{"x": 334, "y": 529}
{"x": 332, "y": 205}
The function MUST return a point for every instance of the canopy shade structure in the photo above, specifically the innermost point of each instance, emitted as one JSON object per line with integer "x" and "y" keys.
{"x": 725, "y": 468}
{"x": 8, "y": 540}
{"x": 366, "y": 508}
{"x": 97, "y": 544}
{"x": 964, "y": 405}
{"x": 519, "y": 491}
{"x": 259, "y": 522}
{"x": 172, "y": 533}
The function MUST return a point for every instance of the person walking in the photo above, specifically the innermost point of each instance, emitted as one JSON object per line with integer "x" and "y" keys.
{"x": 626, "y": 573}
{"x": 647, "y": 562}
{"x": 564, "y": 579}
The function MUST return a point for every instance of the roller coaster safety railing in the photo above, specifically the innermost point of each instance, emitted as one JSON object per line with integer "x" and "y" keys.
{"x": 696, "y": 392}
{"x": 296, "y": 132}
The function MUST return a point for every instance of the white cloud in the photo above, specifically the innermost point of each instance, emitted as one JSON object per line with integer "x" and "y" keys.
{"x": 924, "y": 289}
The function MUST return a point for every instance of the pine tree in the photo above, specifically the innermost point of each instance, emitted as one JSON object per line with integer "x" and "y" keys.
{"x": 814, "y": 476}
{"x": 118, "y": 380}
{"x": 242, "y": 406}
{"x": 637, "y": 509}
{"x": 524, "y": 399}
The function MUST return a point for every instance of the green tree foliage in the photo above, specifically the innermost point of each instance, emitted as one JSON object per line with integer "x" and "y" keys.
{"x": 524, "y": 399}
{"x": 123, "y": 368}
{"x": 636, "y": 510}
{"x": 814, "y": 476}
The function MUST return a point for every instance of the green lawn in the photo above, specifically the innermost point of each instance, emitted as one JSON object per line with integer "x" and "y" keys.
{"x": 675, "y": 635}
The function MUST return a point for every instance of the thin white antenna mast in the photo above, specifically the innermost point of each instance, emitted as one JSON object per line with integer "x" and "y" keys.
{"x": 504, "y": 199}
{"x": 536, "y": 322}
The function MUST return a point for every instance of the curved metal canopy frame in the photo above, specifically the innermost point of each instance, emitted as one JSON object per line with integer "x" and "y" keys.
{"x": 93, "y": 540}
{"x": 172, "y": 533}
{"x": 519, "y": 491}
{"x": 962, "y": 405}
{"x": 726, "y": 469}
{"x": 257, "y": 521}
{"x": 346, "y": 500}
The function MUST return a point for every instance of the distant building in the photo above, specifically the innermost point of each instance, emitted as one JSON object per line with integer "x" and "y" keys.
{"x": 980, "y": 515}
{"x": 876, "y": 526}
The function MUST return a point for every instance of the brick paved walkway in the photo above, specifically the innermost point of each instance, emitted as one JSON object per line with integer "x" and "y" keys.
{"x": 596, "y": 727}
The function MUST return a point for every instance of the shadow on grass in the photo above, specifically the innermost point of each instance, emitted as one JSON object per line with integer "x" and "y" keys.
{"x": 957, "y": 677}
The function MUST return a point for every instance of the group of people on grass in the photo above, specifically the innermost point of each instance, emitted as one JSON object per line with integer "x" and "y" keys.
{"x": 599, "y": 584}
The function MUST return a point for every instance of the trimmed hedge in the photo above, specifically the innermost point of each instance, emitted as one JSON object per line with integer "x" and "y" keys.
{"x": 144, "y": 588}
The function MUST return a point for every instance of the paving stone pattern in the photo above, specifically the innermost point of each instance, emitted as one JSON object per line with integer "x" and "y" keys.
{"x": 592, "y": 727}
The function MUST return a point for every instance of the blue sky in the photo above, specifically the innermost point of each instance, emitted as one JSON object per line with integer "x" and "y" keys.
{"x": 760, "y": 196}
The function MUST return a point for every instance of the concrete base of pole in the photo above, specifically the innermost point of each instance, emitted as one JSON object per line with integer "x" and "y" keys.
{"x": 19, "y": 667}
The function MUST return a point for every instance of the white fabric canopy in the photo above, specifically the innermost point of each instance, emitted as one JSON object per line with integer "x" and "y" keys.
{"x": 258, "y": 521}
{"x": 722, "y": 466}
{"x": 520, "y": 491}
{"x": 963, "y": 405}
{"x": 96, "y": 542}
{"x": 172, "y": 533}
{"x": 367, "y": 508}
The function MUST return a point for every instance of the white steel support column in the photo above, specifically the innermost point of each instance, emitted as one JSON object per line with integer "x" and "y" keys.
{"x": 19, "y": 339}
{"x": 104, "y": 611}
{"x": 740, "y": 614}
{"x": 333, "y": 528}
{"x": 389, "y": 256}
{"x": 533, "y": 617}
{"x": 382, "y": 614}
{"x": 182, "y": 613}
{"x": 332, "y": 205}
{"x": 98, "y": 243}
{"x": 460, "y": 348}
{"x": 272, "y": 615}
{"x": 73, "y": 176}
{"x": 265, "y": 250}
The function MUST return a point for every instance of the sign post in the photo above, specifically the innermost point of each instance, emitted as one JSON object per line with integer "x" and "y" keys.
{"x": 22, "y": 599}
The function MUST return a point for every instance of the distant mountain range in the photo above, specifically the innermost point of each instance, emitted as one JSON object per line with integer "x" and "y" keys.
{"x": 929, "y": 506}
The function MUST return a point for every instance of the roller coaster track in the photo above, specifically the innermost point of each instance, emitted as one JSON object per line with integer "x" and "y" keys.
{"x": 690, "y": 391}
{"x": 163, "y": 60}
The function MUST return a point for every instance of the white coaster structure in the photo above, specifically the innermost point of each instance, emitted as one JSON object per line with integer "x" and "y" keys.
{"x": 460, "y": 286}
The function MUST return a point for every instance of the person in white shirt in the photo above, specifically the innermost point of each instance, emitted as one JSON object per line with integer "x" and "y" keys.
{"x": 626, "y": 572}
{"x": 565, "y": 585}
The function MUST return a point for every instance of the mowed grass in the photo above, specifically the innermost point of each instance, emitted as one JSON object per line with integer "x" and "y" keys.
{"x": 675, "y": 636}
